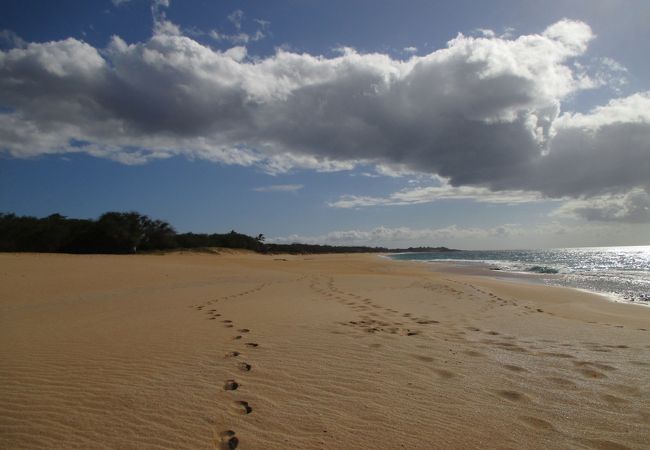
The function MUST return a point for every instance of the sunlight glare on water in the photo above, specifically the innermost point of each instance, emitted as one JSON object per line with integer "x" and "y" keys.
{"x": 622, "y": 273}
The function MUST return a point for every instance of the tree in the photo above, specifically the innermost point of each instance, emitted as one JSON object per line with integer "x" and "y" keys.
{"x": 121, "y": 232}
{"x": 157, "y": 235}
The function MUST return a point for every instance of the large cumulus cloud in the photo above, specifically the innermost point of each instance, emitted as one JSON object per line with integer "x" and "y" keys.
{"x": 482, "y": 112}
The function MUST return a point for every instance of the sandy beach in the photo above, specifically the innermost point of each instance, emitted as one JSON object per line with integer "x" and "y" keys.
{"x": 239, "y": 350}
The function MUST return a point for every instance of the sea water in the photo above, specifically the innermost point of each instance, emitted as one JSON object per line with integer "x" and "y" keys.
{"x": 621, "y": 273}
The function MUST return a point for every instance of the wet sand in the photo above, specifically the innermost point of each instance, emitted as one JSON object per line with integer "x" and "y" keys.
{"x": 337, "y": 351}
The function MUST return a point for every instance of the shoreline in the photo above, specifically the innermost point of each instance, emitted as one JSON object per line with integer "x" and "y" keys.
{"x": 481, "y": 268}
{"x": 310, "y": 351}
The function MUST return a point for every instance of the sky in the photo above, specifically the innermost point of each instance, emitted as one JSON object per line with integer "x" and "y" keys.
{"x": 473, "y": 125}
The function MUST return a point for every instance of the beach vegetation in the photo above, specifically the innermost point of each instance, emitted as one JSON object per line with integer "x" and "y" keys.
{"x": 132, "y": 232}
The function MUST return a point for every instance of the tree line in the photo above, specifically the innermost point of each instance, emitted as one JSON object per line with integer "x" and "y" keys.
{"x": 131, "y": 232}
{"x": 112, "y": 232}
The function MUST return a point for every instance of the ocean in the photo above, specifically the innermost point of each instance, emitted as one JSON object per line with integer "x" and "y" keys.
{"x": 620, "y": 273}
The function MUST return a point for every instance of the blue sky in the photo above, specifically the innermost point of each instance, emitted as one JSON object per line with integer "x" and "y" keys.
{"x": 334, "y": 122}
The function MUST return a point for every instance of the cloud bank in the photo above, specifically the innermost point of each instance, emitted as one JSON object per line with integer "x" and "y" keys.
{"x": 403, "y": 235}
{"x": 484, "y": 112}
{"x": 503, "y": 236}
{"x": 632, "y": 206}
{"x": 428, "y": 194}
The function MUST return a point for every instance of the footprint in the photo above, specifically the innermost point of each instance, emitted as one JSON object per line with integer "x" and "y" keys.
{"x": 236, "y": 337}
{"x": 511, "y": 395}
{"x": 244, "y": 366}
{"x": 564, "y": 382}
{"x": 587, "y": 369}
{"x": 251, "y": 344}
{"x": 228, "y": 440}
{"x": 232, "y": 354}
{"x": 446, "y": 374}
{"x": 409, "y": 332}
{"x": 514, "y": 368}
{"x": 244, "y": 330}
{"x": 614, "y": 399}
{"x": 243, "y": 407}
{"x": 536, "y": 422}
{"x": 557, "y": 355}
{"x": 423, "y": 358}
{"x": 230, "y": 385}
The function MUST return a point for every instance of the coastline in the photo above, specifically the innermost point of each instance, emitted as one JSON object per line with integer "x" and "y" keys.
{"x": 352, "y": 351}
{"x": 491, "y": 270}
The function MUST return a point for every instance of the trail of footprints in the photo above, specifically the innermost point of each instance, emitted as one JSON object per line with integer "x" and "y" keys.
{"x": 374, "y": 320}
{"x": 599, "y": 380}
{"x": 228, "y": 439}
{"x": 608, "y": 387}
{"x": 495, "y": 300}
{"x": 377, "y": 319}
{"x": 373, "y": 317}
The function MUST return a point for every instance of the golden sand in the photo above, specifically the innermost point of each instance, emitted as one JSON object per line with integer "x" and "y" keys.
{"x": 309, "y": 352}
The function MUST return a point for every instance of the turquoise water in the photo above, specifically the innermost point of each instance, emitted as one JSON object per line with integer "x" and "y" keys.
{"x": 621, "y": 273}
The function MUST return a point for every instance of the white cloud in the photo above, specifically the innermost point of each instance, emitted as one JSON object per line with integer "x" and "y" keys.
{"x": 632, "y": 206}
{"x": 162, "y": 26}
{"x": 485, "y": 32}
{"x": 236, "y": 18}
{"x": 450, "y": 236}
{"x": 392, "y": 236}
{"x": 410, "y": 49}
{"x": 166, "y": 27}
{"x": 508, "y": 32}
{"x": 237, "y": 38}
{"x": 282, "y": 163}
{"x": 444, "y": 191}
{"x": 264, "y": 24}
{"x": 574, "y": 36}
{"x": 430, "y": 194}
{"x": 634, "y": 109}
{"x": 604, "y": 151}
{"x": 12, "y": 39}
{"x": 240, "y": 37}
{"x": 395, "y": 170}
{"x": 280, "y": 188}
{"x": 550, "y": 234}
{"x": 484, "y": 112}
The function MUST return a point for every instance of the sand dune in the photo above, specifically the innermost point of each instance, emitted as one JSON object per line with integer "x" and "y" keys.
{"x": 346, "y": 351}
